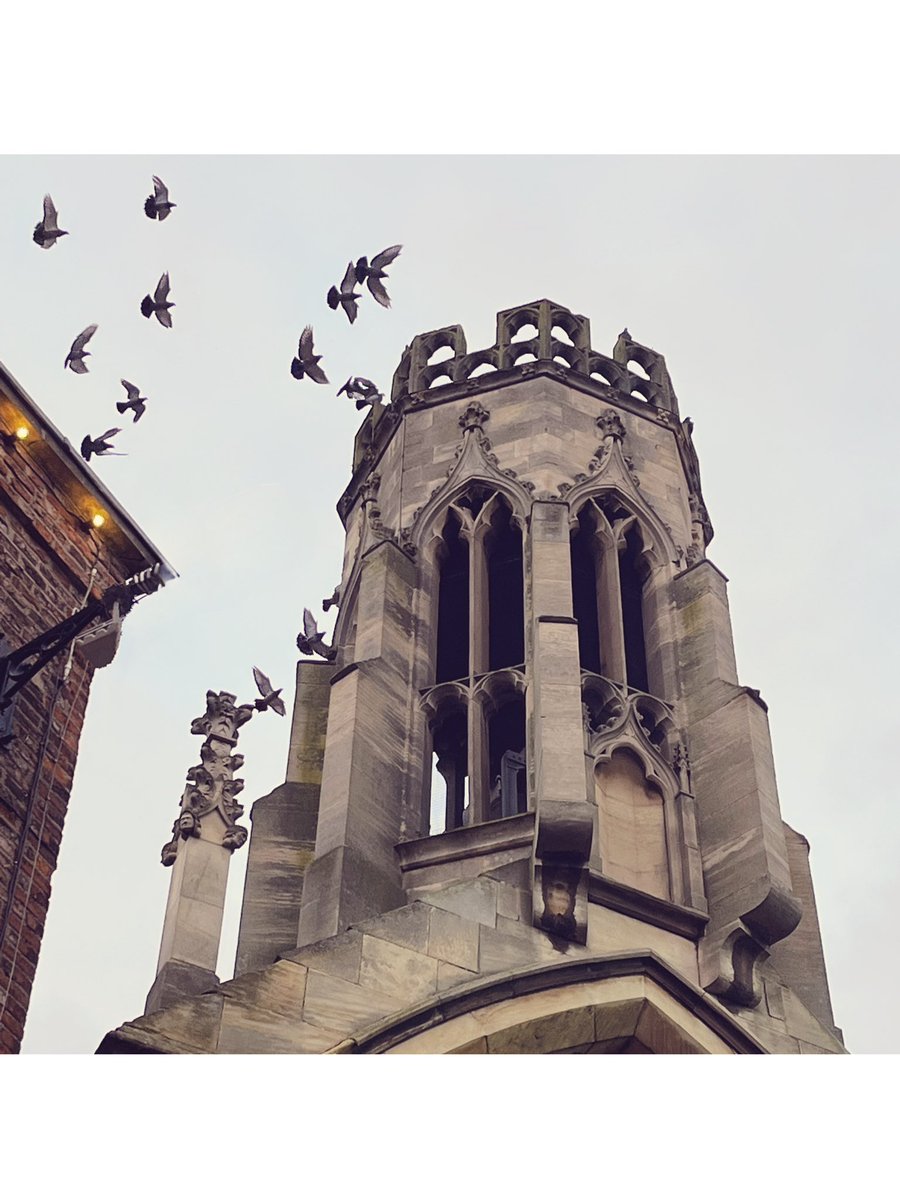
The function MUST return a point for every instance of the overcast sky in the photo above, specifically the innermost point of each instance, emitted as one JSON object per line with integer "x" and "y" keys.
{"x": 769, "y": 285}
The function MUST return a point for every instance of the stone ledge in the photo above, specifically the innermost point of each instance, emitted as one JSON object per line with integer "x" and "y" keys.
{"x": 675, "y": 918}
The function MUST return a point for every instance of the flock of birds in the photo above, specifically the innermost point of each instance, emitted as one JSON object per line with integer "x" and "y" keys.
{"x": 363, "y": 391}
{"x": 46, "y": 234}
{"x": 157, "y": 207}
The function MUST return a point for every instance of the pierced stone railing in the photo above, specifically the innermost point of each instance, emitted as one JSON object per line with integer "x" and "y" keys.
{"x": 418, "y": 374}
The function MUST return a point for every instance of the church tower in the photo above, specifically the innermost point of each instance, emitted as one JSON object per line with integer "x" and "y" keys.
{"x": 528, "y": 805}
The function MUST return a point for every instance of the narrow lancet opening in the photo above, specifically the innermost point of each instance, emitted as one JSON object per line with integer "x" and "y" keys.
{"x": 453, "y": 605}
{"x": 632, "y": 589}
{"x": 450, "y": 772}
{"x": 584, "y": 593}
{"x": 506, "y": 758}
{"x": 506, "y": 620}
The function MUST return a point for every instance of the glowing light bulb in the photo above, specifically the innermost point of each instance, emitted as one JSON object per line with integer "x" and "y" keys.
{"x": 98, "y": 520}
{"x": 22, "y": 432}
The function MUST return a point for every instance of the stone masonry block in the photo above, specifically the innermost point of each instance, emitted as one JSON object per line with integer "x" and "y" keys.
{"x": 340, "y": 955}
{"x": 475, "y": 900}
{"x": 398, "y": 970}
{"x": 453, "y": 938}
{"x": 333, "y": 1003}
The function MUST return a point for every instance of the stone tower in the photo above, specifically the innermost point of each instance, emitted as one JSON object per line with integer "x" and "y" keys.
{"x": 528, "y": 805}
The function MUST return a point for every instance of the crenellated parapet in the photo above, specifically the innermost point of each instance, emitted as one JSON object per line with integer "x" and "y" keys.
{"x": 559, "y": 337}
{"x": 537, "y": 340}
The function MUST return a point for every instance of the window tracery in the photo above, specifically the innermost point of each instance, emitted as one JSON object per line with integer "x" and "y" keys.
{"x": 479, "y": 651}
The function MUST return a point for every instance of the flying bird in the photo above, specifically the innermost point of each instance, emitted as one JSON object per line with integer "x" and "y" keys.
{"x": 270, "y": 698}
{"x": 363, "y": 391}
{"x": 99, "y": 445}
{"x": 47, "y": 231}
{"x": 159, "y": 304}
{"x": 310, "y": 641}
{"x": 373, "y": 273}
{"x": 77, "y": 353}
{"x": 158, "y": 206}
{"x": 346, "y": 297}
{"x": 135, "y": 400}
{"x": 307, "y": 363}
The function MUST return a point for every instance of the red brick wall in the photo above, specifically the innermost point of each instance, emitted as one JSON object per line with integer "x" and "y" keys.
{"x": 46, "y": 556}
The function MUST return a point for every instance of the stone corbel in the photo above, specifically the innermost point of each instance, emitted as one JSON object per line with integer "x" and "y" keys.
{"x": 730, "y": 956}
{"x": 729, "y": 966}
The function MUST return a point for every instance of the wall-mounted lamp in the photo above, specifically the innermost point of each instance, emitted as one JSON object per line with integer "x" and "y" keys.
{"x": 19, "y": 434}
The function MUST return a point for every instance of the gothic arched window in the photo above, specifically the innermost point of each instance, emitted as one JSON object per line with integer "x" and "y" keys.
{"x": 479, "y": 752}
{"x": 609, "y": 573}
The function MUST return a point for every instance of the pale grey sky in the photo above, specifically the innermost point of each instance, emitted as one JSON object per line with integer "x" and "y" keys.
{"x": 768, "y": 284}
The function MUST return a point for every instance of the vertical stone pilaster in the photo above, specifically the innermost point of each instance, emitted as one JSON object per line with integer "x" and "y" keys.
{"x": 748, "y": 881}
{"x": 365, "y": 771}
{"x": 565, "y": 819}
{"x": 283, "y": 830}
{"x": 609, "y": 607}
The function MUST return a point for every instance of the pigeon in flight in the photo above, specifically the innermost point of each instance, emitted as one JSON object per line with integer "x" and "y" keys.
{"x": 307, "y": 363}
{"x": 310, "y": 641}
{"x": 373, "y": 273}
{"x": 346, "y": 297}
{"x": 77, "y": 354}
{"x": 99, "y": 445}
{"x": 47, "y": 231}
{"x": 159, "y": 304}
{"x": 270, "y": 698}
{"x": 363, "y": 391}
{"x": 135, "y": 400}
{"x": 158, "y": 206}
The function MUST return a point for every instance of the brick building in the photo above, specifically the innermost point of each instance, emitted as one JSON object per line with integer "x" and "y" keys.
{"x": 64, "y": 540}
{"x": 529, "y": 806}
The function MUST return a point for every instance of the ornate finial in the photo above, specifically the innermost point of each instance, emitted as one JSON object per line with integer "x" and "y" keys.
{"x": 696, "y": 552}
{"x": 222, "y": 719}
{"x": 369, "y": 491}
{"x": 211, "y": 785}
{"x": 474, "y": 416}
{"x": 682, "y": 764}
{"x": 610, "y": 425}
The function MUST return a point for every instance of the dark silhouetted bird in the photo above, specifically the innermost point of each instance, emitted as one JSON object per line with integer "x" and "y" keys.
{"x": 332, "y": 601}
{"x": 77, "y": 353}
{"x": 99, "y": 445}
{"x": 270, "y": 698}
{"x": 135, "y": 400}
{"x": 373, "y": 273}
{"x": 310, "y": 641}
{"x": 47, "y": 231}
{"x": 158, "y": 206}
{"x": 159, "y": 304}
{"x": 307, "y": 362}
{"x": 363, "y": 391}
{"x": 346, "y": 297}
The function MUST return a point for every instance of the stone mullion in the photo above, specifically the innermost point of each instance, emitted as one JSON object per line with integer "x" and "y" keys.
{"x": 479, "y": 601}
{"x": 479, "y": 782}
{"x": 674, "y": 853}
{"x": 609, "y": 608}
